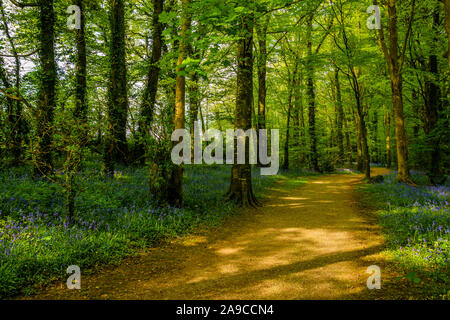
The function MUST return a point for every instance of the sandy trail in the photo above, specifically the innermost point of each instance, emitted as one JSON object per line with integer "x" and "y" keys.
{"x": 309, "y": 242}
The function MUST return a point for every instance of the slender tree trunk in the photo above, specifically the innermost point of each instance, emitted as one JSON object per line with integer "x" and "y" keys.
{"x": 299, "y": 107}
{"x": 395, "y": 63}
{"x": 175, "y": 185}
{"x": 447, "y": 27}
{"x": 80, "y": 131}
{"x": 340, "y": 116}
{"x": 433, "y": 105}
{"x": 375, "y": 135}
{"x": 363, "y": 132}
{"x": 81, "y": 68}
{"x": 314, "y": 162}
{"x": 359, "y": 155}
{"x": 241, "y": 190}
{"x": 151, "y": 88}
{"x": 9, "y": 119}
{"x": 194, "y": 105}
{"x": 46, "y": 104}
{"x": 288, "y": 122}
{"x": 261, "y": 31}
{"x": 16, "y": 125}
{"x": 116, "y": 149}
{"x": 347, "y": 141}
{"x": 387, "y": 128}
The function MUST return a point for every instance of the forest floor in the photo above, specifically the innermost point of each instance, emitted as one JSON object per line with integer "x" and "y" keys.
{"x": 313, "y": 241}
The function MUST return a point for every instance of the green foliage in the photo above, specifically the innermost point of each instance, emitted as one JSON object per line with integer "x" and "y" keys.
{"x": 416, "y": 221}
{"x": 113, "y": 218}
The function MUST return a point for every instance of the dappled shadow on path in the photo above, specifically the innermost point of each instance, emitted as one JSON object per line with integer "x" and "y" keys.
{"x": 310, "y": 242}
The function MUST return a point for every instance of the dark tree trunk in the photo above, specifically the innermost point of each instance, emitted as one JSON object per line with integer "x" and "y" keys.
{"x": 340, "y": 117}
{"x": 298, "y": 107}
{"x": 116, "y": 149}
{"x": 288, "y": 123}
{"x": 348, "y": 142}
{"x": 194, "y": 105}
{"x": 359, "y": 155}
{"x": 16, "y": 125}
{"x": 46, "y": 104}
{"x": 447, "y": 26}
{"x": 81, "y": 69}
{"x": 433, "y": 106}
{"x": 241, "y": 190}
{"x": 314, "y": 161}
{"x": 261, "y": 31}
{"x": 151, "y": 88}
{"x": 363, "y": 132}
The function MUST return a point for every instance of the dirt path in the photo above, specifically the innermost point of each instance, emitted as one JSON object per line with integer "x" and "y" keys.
{"x": 310, "y": 242}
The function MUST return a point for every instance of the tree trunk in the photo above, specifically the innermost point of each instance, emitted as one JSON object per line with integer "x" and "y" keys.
{"x": 447, "y": 27}
{"x": 340, "y": 116}
{"x": 16, "y": 125}
{"x": 261, "y": 31}
{"x": 432, "y": 105}
{"x": 175, "y": 185}
{"x": 288, "y": 122}
{"x": 151, "y": 89}
{"x": 359, "y": 155}
{"x": 364, "y": 144}
{"x": 387, "y": 128}
{"x": 314, "y": 162}
{"x": 194, "y": 105}
{"x": 46, "y": 104}
{"x": 241, "y": 190}
{"x": 116, "y": 149}
{"x": 395, "y": 65}
{"x": 298, "y": 108}
{"x": 81, "y": 69}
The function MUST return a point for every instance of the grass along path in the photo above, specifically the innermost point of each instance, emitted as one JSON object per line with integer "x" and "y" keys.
{"x": 307, "y": 242}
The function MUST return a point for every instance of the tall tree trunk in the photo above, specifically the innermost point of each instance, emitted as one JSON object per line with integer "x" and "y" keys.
{"x": 348, "y": 144}
{"x": 151, "y": 88}
{"x": 375, "y": 135}
{"x": 80, "y": 131}
{"x": 340, "y": 116}
{"x": 447, "y": 26}
{"x": 261, "y": 31}
{"x": 288, "y": 122}
{"x": 363, "y": 132}
{"x": 175, "y": 185}
{"x": 363, "y": 152}
{"x": 9, "y": 124}
{"x": 387, "y": 130}
{"x": 314, "y": 162}
{"x": 299, "y": 118}
{"x": 81, "y": 68}
{"x": 116, "y": 149}
{"x": 16, "y": 125}
{"x": 297, "y": 96}
{"x": 395, "y": 62}
{"x": 359, "y": 152}
{"x": 194, "y": 105}
{"x": 432, "y": 105}
{"x": 46, "y": 104}
{"x": 241, "y": 190}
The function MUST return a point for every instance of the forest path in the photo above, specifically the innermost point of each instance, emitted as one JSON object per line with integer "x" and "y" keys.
{"x": 307, "y": 242}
